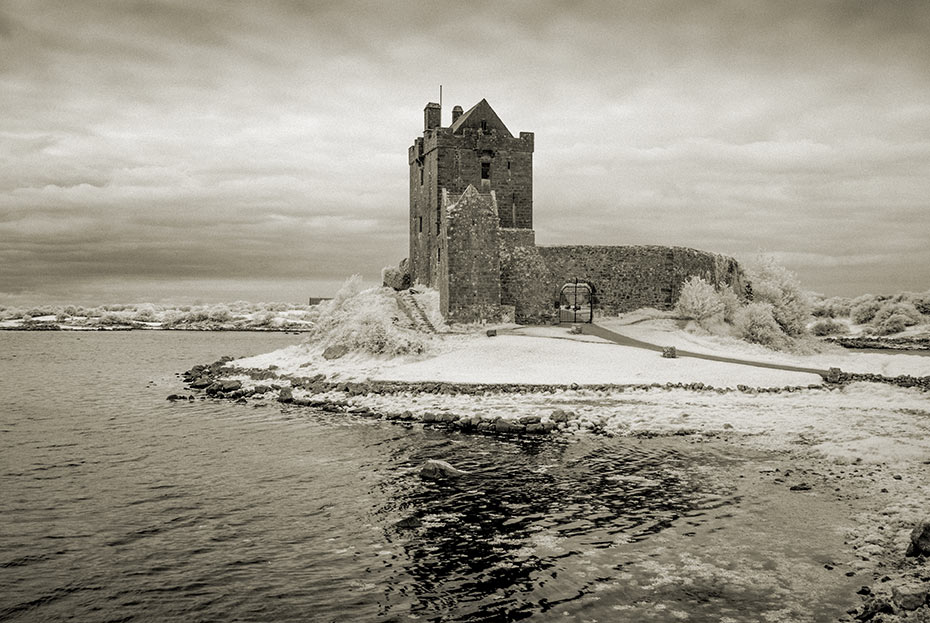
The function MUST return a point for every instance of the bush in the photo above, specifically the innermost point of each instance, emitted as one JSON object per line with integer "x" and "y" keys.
{"x": 220, "y": 313}
{"x": 779, "y": 287}
{"x": 828, "y": 326}
{"x": 831, "y": 307}
{"x": 889, "y": 309}
{"x": 699, "y": 300}
{"x": 921, "y": 301}
{"x": 863, "y": 308}
{"x": 731, "y": 303}
{"x": 111, "y": 318}
{"x": 145, "y": 313}
{"x": 756, "y": 323}
{"x": 892, "y": 324}
{"x": 366, "y": 320}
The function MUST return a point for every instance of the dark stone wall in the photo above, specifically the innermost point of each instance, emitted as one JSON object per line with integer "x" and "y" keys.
{"x": 630, "y": 277}
{"x": 425, "y": 222}
{"x": 471, "y": 266}
{"x": 526, "y": 282}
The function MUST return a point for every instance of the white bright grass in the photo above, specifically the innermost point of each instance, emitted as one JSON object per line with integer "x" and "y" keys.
{"x": 874, "y": 422}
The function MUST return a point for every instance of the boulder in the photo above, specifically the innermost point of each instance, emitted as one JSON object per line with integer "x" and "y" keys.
{"x": 396, "y": 277}
{"x": 437, "y": 470}
{"x": 670, "y": 352}
{"x": 230, "y": 385}
{"x": 286, "y": 395}
{"x": 509, "y": 426}
{"x": 201, "y": 383}
{"x": 874, "y": 606}
{"x": 920, "y": 540}
{"x": 335, "y": 352}
{"x": 910, "y": 596}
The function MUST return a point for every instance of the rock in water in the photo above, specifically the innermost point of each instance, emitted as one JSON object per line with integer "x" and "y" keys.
{"x": 920, "y": 540}
{"x": 439, "y": 469}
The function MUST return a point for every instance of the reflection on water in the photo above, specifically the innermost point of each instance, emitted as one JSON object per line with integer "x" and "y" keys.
{"x": 118, "y": 505}
{"x": 513, "y": 537}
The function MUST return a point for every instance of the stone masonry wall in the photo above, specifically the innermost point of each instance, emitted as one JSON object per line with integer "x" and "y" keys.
{"x": 473, "y": 292}
{"x": 629, "y": 277}
{"x": 522, "y": 271}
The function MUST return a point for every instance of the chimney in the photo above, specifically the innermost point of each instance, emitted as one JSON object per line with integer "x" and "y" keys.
{"x": 456, "y": 113}
{"x": 432, "y": 116}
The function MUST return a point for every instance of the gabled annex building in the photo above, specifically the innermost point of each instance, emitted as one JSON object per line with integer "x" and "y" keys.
{"x": 472, "y": 238}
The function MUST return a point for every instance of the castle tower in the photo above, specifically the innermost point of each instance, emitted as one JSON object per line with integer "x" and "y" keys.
{"x": 476, "y": 150}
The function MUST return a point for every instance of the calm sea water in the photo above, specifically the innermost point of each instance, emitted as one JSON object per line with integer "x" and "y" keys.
{"x": 118, "y": 505}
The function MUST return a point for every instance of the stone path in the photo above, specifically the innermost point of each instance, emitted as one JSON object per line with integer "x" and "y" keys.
{"x": 623, "y": 340}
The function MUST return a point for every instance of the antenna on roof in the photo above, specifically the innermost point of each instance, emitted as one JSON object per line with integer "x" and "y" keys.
{"x": 440, "y": 97}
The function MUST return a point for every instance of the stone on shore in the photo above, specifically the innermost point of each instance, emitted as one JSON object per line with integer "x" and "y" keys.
{"x": 920, "y": 540}
{"x": 335, "y": 352}
{"x": 436, "y": 469}
{"x": 910, "y": 596}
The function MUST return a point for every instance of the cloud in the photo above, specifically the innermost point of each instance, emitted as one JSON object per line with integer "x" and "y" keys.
{"x": 191, "y": 141}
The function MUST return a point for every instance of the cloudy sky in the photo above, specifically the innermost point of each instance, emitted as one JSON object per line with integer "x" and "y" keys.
{"x": 180, "y": 151}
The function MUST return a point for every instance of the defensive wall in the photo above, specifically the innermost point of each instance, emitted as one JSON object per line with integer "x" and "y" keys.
{"x": 624, "y": 277}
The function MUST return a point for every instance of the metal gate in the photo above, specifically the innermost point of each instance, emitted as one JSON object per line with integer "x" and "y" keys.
{"x": 576, "y": 302}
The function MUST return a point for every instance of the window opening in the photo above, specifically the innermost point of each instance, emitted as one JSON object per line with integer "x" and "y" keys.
{"x": 485, "y": 170}
{"x": 421, "y": 176}
{"x": 420, "y": 224}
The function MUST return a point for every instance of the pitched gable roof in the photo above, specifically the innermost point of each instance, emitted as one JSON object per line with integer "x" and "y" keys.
{"x": 473, "y": 117}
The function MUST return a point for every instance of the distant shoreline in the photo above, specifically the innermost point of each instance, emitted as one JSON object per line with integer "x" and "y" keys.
{"x": 96, "y": 329}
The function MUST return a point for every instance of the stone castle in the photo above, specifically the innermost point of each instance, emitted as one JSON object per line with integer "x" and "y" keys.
{"x": 472, "y": 238}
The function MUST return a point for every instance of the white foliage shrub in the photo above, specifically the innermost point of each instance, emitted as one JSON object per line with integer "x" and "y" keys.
{"x": 776, "y": 285}
{"x": 731, "y": 303}
{"x": 699, "y": 300}
{"x": 756, "y": 323}
{"x": 827, "y": 326}
{"x": 367, "y": 321}
{"x": 832, "y": 307}
{"x": 921, "y": 301}
{"x": 908, "y": 312}
{"x": 894, "y": 323}
{"x": 862, "y": 308}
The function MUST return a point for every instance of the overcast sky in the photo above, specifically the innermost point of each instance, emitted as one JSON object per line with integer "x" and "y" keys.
{"x": 179, "y": 151}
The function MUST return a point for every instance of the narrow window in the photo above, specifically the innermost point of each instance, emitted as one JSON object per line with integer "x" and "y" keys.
{"x": 421, "y": 176}
{"x": 438, "y": 226}
{"x": 420, "y": 224}
{"x": 438, "y": 254}
{"x": 485, "y": 170}
{"x": 508, "y": 165}
{"x": 484, "y": 125}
